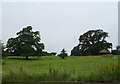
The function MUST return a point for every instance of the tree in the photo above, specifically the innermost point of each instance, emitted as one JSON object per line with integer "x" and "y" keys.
{"x": 75, "y": 51}
{"x": 52, "y": 53}
{"x": 2, "y": 51}
{"x": 63, "y": 54}
{"x": 116, "y": 51}
{"x": 27, "y": 43}
{"x": 91, "y": 42}
{"x": 118, "y": 47}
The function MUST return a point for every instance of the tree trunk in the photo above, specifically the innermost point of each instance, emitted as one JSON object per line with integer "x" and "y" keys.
{"x": 63, "y": 57}
{"x": 26, "y": 57}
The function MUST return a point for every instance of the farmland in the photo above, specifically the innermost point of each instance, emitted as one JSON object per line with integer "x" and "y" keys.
{"x": 53, "y": 68}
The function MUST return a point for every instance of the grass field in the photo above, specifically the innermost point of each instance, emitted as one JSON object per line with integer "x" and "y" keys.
{"x": 53, "y": 68}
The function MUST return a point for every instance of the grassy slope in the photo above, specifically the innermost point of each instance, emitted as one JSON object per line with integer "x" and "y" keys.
{"x": 80, "y": 65}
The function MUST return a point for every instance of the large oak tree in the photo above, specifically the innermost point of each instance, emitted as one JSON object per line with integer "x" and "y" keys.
{"x": 27, "y": 43}
{"x": 91, "y": 42}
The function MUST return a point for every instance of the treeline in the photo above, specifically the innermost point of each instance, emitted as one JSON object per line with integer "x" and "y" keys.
{"x": 28, "y": 43}
{"x": 116, "y": 51}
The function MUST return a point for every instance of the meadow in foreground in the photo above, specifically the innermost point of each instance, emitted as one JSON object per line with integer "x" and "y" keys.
{"x": 52, "y": 68}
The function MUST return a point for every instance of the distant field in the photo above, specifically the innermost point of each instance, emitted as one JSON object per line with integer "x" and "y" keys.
{"x": 53, "y": 68}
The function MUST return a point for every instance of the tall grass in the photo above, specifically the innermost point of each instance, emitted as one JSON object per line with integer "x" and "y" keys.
{"x": 109, "y": 73}
{"x": 105, "y": 73}
{"x": 21, "y": 76}
{"x": 54, "y": 75}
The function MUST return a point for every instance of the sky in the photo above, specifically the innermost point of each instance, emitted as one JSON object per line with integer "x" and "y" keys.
{"x": 60, "y": 24}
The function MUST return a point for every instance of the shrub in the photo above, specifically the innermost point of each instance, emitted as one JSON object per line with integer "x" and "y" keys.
{"x": 115, "y": 52}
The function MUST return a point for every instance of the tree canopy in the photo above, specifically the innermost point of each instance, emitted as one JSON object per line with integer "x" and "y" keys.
{"x": 63, "y": 54}
{"x": 27, "y": 43}
{"x": 91, "y": 42}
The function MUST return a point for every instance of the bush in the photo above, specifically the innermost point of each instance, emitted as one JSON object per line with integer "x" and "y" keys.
{"x": 115, "y": 52}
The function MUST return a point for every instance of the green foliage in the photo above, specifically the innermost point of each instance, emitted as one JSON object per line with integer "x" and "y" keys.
{"x": 53, "y": 54}
{"x": 76, "y": 51}
{"x": 2, "y": 50}
{"x": 63, "y": 54}
{"x": 118, "y": 47}
{"x": 45, "y": 53}
{"x": 91, "y": 42}
{"x": 27, "y": 43}
{"x": 117, "y": 51}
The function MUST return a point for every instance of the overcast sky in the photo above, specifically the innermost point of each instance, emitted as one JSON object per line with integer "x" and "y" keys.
{"x": 60, "y": 24}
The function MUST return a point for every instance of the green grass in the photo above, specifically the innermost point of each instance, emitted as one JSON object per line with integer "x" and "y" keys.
{"x": 52, "y": 68}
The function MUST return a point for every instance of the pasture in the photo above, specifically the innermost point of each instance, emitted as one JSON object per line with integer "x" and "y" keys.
{"x": 53, "y": 68}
